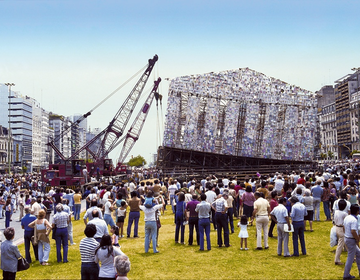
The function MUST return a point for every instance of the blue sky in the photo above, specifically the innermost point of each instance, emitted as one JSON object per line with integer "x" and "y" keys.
{"x": 71, "y": 54}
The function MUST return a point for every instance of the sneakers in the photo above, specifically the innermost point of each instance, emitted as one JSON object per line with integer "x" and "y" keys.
{"x": 246, "y": 249}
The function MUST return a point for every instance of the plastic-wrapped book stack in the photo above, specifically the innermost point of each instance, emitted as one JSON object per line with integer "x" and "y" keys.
{"x": 204, "y": 115}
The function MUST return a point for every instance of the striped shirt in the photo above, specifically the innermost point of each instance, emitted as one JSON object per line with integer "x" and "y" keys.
{"x": 87, "y": 249}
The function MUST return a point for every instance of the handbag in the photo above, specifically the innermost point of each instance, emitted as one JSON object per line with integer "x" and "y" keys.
{"x": 22, "y": 264}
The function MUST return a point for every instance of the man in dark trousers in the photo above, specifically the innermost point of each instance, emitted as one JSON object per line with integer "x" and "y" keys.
{"x": 28, "y": 233}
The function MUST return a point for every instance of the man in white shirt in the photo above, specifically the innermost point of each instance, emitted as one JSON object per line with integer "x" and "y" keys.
{"x": 210, "y": 197}
{"x": 151, "y": 225}
{"x": 339, "y": 217}
{"x": 101, "y": 226}
{"x": 279, "y": 183}
{"x": 351, "y": 240}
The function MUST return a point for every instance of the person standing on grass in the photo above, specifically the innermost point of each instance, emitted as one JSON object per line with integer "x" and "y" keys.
{"x": 77, "y": 204}
{"x": 317, "y": 192}
{"x": 150, "y": 224}
{"x": 261, "y": 213}
{"x": 134, "y": 214}
{"x": 351, "y": 241}
{"x": 280, "y": 216}
{"x": 204, "y": 210}
{"x": 339, "y": 217}
{"x": 88, "y": 245}
{"x": 28, "y": 233}
{"x": 9, "y": 255}
{"x": 298, "y": 212}
{"x": 193, "y": 219}
{"x": 220, "y": 207}
{"x": 273, "y": 204}
{"x": 243, "y": 234}
{"x": 309, "y": 205}
{"x": 180, "y": 218}
{"x": 61, "y": 221}
{"x": 88, "y": 214}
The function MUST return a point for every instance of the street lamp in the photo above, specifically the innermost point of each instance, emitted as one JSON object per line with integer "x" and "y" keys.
{"x": 9, "y": 151}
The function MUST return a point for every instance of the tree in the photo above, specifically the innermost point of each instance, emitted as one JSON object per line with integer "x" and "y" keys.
{"x": 137, "y": 161}
{"x": 330, "y": 154}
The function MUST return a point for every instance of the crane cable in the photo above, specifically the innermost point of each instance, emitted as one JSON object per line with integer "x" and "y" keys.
{"x": 120, "y": 87}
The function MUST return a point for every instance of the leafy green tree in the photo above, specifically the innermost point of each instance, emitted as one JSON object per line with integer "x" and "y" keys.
{"x": 137, "y": 161}
{"x": 330, "y": 154}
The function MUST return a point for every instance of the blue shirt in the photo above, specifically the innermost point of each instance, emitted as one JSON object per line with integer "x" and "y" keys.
{"x": 317, "y": 191}
{"x": 298, "y": 212}
{"x": 26, "y": 220}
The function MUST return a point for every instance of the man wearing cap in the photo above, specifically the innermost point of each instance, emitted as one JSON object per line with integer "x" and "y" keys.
{"x": 220, "y": 206}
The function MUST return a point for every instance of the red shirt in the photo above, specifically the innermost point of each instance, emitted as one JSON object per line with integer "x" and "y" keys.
{"x": 273, "y": 204}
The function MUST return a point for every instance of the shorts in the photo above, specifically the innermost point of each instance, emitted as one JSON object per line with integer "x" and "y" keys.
{"x": 120, "y": 219}
{"x": 309, "y": 216}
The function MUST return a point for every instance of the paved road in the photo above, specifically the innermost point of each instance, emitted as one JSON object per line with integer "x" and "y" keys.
{"x": 19, "y": 232}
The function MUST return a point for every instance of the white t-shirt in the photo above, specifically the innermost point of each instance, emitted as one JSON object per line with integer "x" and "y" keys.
{"x": 107, "y": 269}
{"x": 210, "y": 196}
{"x": 107, "y": 208}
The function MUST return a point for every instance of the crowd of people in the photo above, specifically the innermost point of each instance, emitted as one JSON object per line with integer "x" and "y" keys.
{"x": 288, "y": 201}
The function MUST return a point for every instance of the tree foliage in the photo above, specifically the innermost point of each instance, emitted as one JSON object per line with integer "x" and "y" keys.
{"x": 137, "y": 161}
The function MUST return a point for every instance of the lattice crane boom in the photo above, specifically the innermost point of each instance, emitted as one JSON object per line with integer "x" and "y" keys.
{"x": 117, "y": 125}
{"x": 134, "y": 131}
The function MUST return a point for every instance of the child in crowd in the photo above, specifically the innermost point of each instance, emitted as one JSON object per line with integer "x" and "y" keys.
{"x": 121, "y": 215}
{"x": 243, "y": 234}
{"x": 149, "y": 200}
{"x": 115, "y": 236}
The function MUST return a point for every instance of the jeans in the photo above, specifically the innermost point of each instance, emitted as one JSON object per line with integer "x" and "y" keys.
{"x": 204, "y": 226}
{"x": 316, "y": 203}
{"x": 27, "y": 242}
{"x": 262, "y": 223}
{"x": 193, "y": 222}
{"x": 326, "y": 209}
{"x": 150, "y": 232}
{"x": 230, "y": 214}
{"x": 61, "y": 238}
{"x": 299, "y": 234}
{"x": 70, "y": 233}
{"x": 7, "y": 219}
{"x": 133, "y": 217}
{"x": 172, "y": 197}
{"x": 1, "y": 211}
{"x": 109, "y": 220}
{"x": 222, "y": 225}
{"x": 179, "y": 218}
{"x": 77, "y": 208}
{"x": 89, "y": 271}
{"x": 43, "y": 251}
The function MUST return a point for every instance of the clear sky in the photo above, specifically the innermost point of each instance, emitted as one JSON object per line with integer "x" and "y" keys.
{"x": 70, "y": 54}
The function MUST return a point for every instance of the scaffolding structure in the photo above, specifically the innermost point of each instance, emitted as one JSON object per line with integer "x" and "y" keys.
{"x": 241, "y": 113}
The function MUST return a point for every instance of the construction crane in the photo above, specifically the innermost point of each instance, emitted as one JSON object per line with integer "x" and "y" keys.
{"x": 134, "y": 132}
{"x": 108, "y": 137}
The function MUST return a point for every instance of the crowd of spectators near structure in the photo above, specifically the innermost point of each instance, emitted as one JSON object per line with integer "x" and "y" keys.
{"x": 288, "y": 201}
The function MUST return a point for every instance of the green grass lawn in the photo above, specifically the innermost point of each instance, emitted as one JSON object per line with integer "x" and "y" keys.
{"x": 177, "y": 261}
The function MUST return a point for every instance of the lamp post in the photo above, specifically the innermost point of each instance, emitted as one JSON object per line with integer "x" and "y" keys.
{"x": 9, "y": 150}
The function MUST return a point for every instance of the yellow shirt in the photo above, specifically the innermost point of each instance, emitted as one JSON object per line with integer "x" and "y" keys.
{"x": 261, "y": 205}
{"x": 77, "y": 198}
